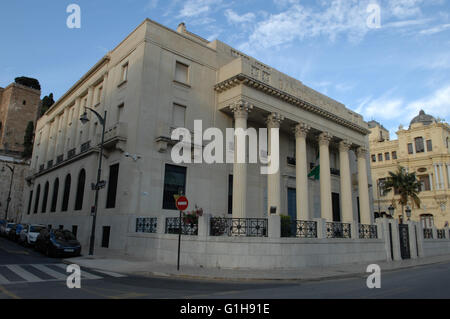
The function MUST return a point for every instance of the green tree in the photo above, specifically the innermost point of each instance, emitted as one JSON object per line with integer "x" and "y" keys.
{"x": 47, "y": 102}
{"x": 28, "y": 141}
{"x": 405, "y": 185}
{"x": 29, "y": 82}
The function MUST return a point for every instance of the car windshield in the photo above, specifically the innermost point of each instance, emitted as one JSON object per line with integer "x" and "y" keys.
{"x": 36, "y": 229}
{"x": 64, "y": 235}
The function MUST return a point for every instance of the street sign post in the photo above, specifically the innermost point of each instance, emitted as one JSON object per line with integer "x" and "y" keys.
{"x": 182, "y": 204}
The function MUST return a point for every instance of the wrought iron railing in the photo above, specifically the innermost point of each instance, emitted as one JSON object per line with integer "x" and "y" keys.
{"x": 299, "y": 229}
{"x": 428, "y": 233}
{"x": 85, "y": 147}
{"x": 41, "y": 167}
{"x": 59, "y": 159}
{"x": 173, "y": 226}
{"x": 249, "y": 227}
{"x": 49, "y": 164}
{"x": 339, "y": 230}
{"x": 441, "y": 233}
{"x": 71, "y": 153}
{"x": 368, "y": 231}
{"x": 146, "y": 225}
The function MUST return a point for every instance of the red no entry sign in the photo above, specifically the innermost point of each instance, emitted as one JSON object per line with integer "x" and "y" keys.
{"x": 182, "y": 203}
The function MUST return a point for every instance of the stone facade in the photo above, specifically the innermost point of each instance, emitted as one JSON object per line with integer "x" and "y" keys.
{"x": 19, "y": 105}
{"x": 422, "y": 148}
{"x": 158, "y": 79}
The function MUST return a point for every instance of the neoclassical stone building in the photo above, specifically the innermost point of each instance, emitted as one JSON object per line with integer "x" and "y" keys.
{"x": 422, "y": 148}
{"x": 158, "y": 79}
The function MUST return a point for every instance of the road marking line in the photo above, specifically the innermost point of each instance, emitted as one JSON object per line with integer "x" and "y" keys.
{"x": 50, "y": 271}
{"x": 3, "y": 280}
{"x": 8, "y": 293}
{"x": 23, "y": 273}
{"x": 109, "y": 273}
{"x": 84, "y": 273}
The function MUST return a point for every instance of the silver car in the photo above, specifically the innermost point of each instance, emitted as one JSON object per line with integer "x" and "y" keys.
{"x": 29, "y": 234}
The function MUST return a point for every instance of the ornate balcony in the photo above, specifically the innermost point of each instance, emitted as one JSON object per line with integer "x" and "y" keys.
{"x": 71, "y": 153}
{"x": 85, "y": 147}
{"x": 116, "y": 136}
{"x": 60, "y": 159}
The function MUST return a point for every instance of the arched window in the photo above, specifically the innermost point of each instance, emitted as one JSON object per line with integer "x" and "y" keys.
{"x": 36, "y": 200}
{"x": 80, "y": 190}
{"x": 44, "y": 200}
{"x": 55, "y": 195}
{"x": 66, "y": 195}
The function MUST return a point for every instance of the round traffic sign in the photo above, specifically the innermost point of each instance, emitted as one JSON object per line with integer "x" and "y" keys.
{"x": 182, "y": 203}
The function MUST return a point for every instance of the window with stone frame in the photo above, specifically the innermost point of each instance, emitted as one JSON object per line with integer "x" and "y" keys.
{"x": 410, "y": 148}
{"x": 420, "y": 147}
{"x": 380, "y": 157}
{"x": 387, "y": 156}
{"x": 374, "y": 158}
{"x": 181, "y": 73}
{"x": 174, "y": 184}
{"x": 394, "y": 155}
{"x": 429, "y": 145}
{"x": 425, "y": 182}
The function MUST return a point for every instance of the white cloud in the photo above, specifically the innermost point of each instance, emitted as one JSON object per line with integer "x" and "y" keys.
{"x": 151, "y": 4}
{"x": 437, "y": 29}
{"x": 404, "y": 8}
{"x": 233, "y": 17}
{"x": 398, "y": 109}
{"x": 193, "y": 8}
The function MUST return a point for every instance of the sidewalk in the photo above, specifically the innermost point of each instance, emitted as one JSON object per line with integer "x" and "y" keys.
{"x": 127, "y": 265}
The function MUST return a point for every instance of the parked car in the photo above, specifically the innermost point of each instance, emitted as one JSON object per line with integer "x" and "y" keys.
{"x": 56, "y": 242}
{"x": 29, "y": 234}
{"x": 12, "y": 232}
{"x": 3, "y": 227}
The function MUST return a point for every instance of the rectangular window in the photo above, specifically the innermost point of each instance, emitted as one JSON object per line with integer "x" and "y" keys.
{"x": 112, "y": 186}
{"x": 425, "y": 183}
{"x": 124, "y": 75}
{"x": 120, "y": 110}
{"x": 387, "y": 156}
{"x": 394, "y": 155}
{"x": 181, "y": 72}
{"x": 410, "y": 148}
{"x": 174, "y": 183}
{"x": 380, "y": 157}
{"x": 75, "y": 230}
{"x": 105, "y": 236}
{"x": 179, "y": 115}
{"x": 420, "y": 148}
{"x": 230, "y": 194}
{"x": 429, "y": 146}
{"x": 99, "y": 95}
{"x": 374, "y": 158}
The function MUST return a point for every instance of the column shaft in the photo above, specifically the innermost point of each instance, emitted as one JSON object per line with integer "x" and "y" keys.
{"x": 346, "y": 184}
{"x": 240, "y": 110}
{"x": 274, "y": 180}
{"x": 363, "y": 187}
{"x": 325, "y": 177}
{"x": 301, "y": 172}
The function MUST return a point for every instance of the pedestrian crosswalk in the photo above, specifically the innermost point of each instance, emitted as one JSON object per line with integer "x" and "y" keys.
{"x": 33, "y": 273}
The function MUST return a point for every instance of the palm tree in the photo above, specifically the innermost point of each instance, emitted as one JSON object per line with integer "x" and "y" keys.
{"x": 405, "y": 185}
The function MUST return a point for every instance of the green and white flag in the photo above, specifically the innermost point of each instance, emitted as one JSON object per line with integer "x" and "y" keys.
{"x": 315, "y": 172}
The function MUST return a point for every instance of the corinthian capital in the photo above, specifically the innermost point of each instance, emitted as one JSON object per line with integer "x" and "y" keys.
{"x": 301, "y": 130}
{"x": 241, "y": 109}
{"x": 325, "y": 138}
{"x": 344, "y": 146}
{"x": 361, "y": 152}
{"x": 274, "y": 120}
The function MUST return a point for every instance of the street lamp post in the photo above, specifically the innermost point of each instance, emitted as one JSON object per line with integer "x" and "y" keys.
{"x": 102, "y": 120}
{"x": 391, "y": 210}
{"x": 8, "y": 200}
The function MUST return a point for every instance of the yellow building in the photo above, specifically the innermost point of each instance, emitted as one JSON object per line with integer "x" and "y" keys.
{"x": 423, "y": 148}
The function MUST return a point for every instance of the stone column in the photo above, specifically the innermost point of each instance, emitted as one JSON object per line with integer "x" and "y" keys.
{"x": 89, "y": 127}
{"x": 443, "y": 180}
{"x": 448, "y": 174}
{"x": 75, "y": 132}
{"x": 301, "y": 171}
{"x": 436, "y": 177}
{"x": 346, "y": 182}
{"x": 431, "y": 181}
{"x": 363, "y": 186}
{"x": 325, "y": 176}
{"x": 274, "y": 180}
{"x": 240, "y": 110}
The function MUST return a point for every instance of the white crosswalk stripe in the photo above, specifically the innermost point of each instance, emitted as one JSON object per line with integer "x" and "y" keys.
{"x": 24, "y": 274}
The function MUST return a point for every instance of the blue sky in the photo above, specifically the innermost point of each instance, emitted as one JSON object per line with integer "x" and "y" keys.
{"x": 387, "y": 74}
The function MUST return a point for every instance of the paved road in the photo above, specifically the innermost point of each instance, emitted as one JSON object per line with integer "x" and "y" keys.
{"x": 27, "y": 274}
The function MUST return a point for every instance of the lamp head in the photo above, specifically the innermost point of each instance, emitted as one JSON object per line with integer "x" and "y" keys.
{"x": 84, "y": 118}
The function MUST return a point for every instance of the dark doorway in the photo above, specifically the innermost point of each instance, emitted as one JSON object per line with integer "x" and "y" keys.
{"x": 105, "y": 236}
{"x": 292, "y": 203}
{"x": 336, "y": 207}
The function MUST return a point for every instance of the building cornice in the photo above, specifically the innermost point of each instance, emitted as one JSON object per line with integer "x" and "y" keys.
{"x": 264, "y": 87}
